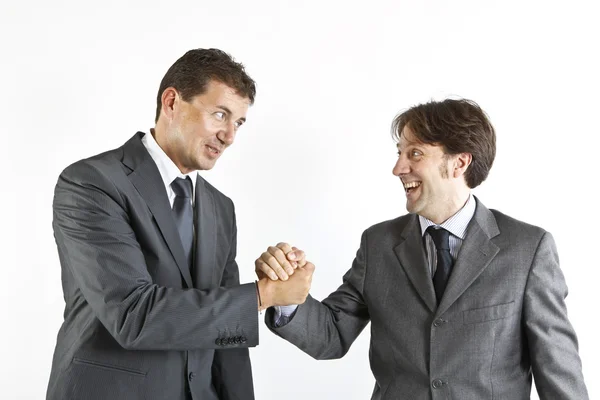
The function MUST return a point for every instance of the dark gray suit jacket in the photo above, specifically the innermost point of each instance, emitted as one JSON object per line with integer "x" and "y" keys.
{"x": 137, "y": 324}
{"x": 502, "y": 316}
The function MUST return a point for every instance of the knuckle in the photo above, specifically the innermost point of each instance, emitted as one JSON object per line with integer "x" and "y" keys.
{"x": 274, "y": 250}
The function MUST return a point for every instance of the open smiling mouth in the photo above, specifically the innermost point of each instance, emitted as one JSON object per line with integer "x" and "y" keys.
{"x": 412, "y": 186}
{"x": 213, "y": 150}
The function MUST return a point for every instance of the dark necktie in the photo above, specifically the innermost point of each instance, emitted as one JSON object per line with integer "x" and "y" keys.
{"x": 184, "y": 214}
{"x": 444, "y": 260}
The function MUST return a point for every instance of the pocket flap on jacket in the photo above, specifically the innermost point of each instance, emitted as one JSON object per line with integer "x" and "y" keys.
{"x": 490, "y": 313}
{"x": 107, "y": 367}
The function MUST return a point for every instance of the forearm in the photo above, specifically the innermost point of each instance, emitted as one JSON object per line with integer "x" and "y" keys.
{"x": 160, "y": 318}
{"x": 142, "y": 315}
{"x": 323, "y": 330}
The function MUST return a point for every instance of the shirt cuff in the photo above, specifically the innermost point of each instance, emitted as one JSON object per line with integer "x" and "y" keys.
{"x": 283, "y": 315}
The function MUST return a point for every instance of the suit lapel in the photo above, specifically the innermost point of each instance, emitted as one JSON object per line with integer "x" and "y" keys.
{"x": 146, "y": 179}
{"x": 476, "y": 253}
{"x": 411, "y": 254}
{"x": 206, "y": 236}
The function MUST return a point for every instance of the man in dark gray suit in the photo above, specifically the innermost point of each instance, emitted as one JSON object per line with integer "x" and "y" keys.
{"x": 464, "y": 302}
{"x": 154, "y": 307}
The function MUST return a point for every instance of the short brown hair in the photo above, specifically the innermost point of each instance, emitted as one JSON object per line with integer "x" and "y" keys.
{"x": 460, "y": 126}
{"x": 191, "y": 73}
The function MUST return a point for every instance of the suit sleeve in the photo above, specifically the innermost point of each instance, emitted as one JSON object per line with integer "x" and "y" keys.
{"x": 99, "y": 248}
{"x": 326, "y": 330}
{"x": 551, "y": 338}
{"x": 231, "y": 368}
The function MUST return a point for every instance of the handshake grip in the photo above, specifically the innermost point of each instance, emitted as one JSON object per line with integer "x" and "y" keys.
{"x": 284, "y": 275}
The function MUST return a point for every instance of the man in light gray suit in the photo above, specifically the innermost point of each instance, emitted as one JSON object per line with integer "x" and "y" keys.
{"x": 154, "y": 307}
{"x": 464, "y": 302}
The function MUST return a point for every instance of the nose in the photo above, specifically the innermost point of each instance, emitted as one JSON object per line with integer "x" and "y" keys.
{"x": 227, "y": 134}
{"x": 402, "y": 166}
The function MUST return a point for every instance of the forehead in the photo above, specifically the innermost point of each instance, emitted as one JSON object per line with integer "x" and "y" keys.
{"x": 408, "y": 138}
{"x": 219, "y": 94}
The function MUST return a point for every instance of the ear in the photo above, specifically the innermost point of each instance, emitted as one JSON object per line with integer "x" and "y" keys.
{"x": 461, "y": 163}
{"x": 169, "y": 100}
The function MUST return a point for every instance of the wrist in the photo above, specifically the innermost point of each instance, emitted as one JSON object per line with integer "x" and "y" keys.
{"x": 264, "y": 296}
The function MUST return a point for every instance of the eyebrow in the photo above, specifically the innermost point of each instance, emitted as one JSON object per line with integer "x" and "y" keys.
{"x": 228, "y": 111}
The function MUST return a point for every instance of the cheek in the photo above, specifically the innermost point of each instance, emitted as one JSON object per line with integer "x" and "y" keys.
{"x": 203, "y": 129}
{"x": 192, "y": 133}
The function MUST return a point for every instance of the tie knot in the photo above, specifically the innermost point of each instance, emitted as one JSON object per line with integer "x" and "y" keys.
{"x": 182, "y": 187}
{"x": 440, "y": 237}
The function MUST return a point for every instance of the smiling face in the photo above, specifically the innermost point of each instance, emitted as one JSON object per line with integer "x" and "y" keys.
{"x": 433, "y": 181}
{"x": 194, "y": 134}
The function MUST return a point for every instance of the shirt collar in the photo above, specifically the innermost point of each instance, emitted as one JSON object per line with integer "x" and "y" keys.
{"x": 456, "y": 224}
{"x": 167, "y": 168}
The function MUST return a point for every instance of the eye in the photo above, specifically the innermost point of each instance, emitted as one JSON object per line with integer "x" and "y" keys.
{"x": 238, "y": 124}
{"x": 415, "y": 153}
{"x": 220, "y": 115}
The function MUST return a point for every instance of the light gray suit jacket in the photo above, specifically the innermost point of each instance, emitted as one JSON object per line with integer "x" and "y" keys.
{"x": 502, "y": 316}
{"x": 137, "y": 323}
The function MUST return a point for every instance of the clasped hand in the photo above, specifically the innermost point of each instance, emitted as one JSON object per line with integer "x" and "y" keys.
{"x": 284, "y": 276}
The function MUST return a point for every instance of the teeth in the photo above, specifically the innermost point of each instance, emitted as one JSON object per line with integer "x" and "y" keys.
{"x": 412, "y": 185}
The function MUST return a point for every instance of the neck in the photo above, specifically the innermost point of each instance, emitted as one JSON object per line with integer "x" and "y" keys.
{"x": 160, "y": 136}
{"x": 452, "y": 205}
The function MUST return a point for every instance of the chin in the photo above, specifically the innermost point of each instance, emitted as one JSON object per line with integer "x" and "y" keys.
{"x": 205, "y": 165}
{"x": 415, "y": 207}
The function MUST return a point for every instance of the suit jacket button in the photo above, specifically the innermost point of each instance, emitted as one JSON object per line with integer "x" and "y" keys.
{"x": 438, "y": 322}
{"x": 223, "y": 342}
{"x": 437, "y": 383}
{"x": 237, "y": 340}
{"x": 244, "y": 340}
{"x": 191, "y": 376}
{"x": 218, "y": 342}
{"x": 230, "y": 340}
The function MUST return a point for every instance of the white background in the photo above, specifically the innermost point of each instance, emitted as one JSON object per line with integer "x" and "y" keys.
{"x": 313, "y": 164}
